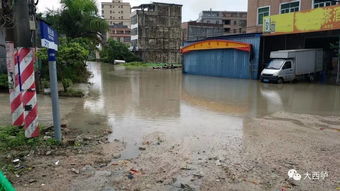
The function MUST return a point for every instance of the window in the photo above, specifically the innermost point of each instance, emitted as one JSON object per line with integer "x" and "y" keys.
{"x": 288, "y": 65}
{"x": 226, "y": 22}
{"x": 243, "y": 23}
{"x": 127, "y": 39}
{"x": 290, "y": 7}
{"x": 235, "y": 31}
{"x": 227, "y": 30}
{"x": 261, "y": 13}
{"x": 323, "y": 3}
{"x": 235, "y": 22}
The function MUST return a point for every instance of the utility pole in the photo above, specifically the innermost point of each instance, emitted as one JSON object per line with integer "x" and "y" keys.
{"x": 338, "y": 69}
{"x": 22, "y": 32}
{"x": 21, "y": 35}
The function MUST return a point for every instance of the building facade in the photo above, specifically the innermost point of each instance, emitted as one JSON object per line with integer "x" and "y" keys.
{"x": 192, "y": 31}
{"x": 117, "y": 14}
{"x": 257, "y": 9}
{"x": 156, "y": 32}
{"x": 119, "y": 32}
{"x": 234, "y": 22}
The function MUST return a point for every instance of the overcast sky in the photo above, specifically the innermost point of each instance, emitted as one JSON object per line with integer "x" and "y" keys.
{"x": 191, "y": 8}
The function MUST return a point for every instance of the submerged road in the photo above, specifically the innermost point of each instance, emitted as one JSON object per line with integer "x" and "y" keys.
{"x": 224, "y": 133}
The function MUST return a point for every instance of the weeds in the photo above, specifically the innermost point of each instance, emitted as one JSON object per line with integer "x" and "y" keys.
{"x": 14, "y": 138}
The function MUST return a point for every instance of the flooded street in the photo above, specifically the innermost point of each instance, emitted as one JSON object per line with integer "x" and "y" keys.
{"x": 185, "y": 132}
{"x": 138, "y": 103}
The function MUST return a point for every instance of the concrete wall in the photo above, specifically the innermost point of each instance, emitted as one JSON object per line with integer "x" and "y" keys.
{"x": 159, "y": 33}
{"x": 234, "y": 22}
{"x": 253, "y": 6}
{"x": 193, "y": 31}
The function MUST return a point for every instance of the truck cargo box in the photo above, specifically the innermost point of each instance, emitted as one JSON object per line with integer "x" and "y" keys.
{"x": 306, "y": 60}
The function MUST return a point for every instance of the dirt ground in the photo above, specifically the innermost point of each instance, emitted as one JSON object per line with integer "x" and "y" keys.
{"x": 269, "y": 147}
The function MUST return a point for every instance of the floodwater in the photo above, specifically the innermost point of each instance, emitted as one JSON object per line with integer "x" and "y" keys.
{"x": 138, "y": 103}
{"x": 184, "y": 107}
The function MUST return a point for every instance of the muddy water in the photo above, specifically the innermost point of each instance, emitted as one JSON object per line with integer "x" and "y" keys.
{"x": 183, "y": 108}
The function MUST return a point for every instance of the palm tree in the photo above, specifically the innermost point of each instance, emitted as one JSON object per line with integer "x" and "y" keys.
{"x": 79, "y": 18}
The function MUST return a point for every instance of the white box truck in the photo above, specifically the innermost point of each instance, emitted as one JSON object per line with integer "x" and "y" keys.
{"x": 290, "y": 65}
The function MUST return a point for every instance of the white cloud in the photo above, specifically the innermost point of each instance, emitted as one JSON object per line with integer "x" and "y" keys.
{"x": 191, "y": 8}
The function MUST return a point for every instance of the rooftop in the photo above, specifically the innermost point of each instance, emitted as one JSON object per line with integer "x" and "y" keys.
{"x": 142, "y": 6}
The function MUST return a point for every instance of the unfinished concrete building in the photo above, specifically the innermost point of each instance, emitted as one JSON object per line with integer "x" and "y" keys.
{"x": 156, "y": 32}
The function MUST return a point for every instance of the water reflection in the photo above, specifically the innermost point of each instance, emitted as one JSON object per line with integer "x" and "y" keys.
{"x": 244, "y": 97}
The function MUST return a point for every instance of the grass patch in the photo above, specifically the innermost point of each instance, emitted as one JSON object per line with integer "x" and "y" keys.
{"x": 140, "y": 65}
{"x": 14, "y": 145}
{"x": 14, "y": 138}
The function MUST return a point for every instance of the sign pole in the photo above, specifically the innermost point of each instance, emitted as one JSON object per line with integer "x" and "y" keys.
{"x": 49, "y": 39}
{"x": 54, "y": 93}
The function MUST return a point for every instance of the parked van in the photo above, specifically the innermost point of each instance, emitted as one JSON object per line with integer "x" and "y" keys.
{"x": 290, "y": 65}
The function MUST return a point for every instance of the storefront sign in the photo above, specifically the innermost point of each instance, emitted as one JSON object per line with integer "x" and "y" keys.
{"x": 320, "y": 19}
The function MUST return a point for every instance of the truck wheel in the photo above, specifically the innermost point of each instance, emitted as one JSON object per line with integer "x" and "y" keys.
{"x": 280, "y": 81}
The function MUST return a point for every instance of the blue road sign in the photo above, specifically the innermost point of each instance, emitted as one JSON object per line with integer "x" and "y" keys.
{"x": 49, "y": 37}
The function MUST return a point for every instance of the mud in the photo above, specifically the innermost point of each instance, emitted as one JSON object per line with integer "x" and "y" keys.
{"x": 180, "y": 132}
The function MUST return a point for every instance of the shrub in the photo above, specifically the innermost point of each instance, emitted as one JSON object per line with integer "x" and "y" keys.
{"x": 114, "y": 50}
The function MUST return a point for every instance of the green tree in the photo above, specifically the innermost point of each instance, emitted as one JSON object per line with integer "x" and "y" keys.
{"x": 71, "y": 59}
{"x": 79, "y": 18}
{"x": 114, "y": 50}
{"x": 81, "y": 29}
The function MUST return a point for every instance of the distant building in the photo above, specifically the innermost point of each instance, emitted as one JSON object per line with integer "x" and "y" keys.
{"x": 234, "y": 22}
{"x": 117, "y": 14}
{"x": 192, "y": 31}
{"x": 156, "y": 32}
{"x": 119, "y": 32}
{"x": 257, "y": 9}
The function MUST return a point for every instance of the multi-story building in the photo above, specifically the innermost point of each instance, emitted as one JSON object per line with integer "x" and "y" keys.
{"x": 119, "y": 32}
{"x": 156, "y": 32}
{"x": 117, "y": 14}
{"x": 257, "y": 9}
{"x": 234, "y": 22}
{"x": 192, "y": 31}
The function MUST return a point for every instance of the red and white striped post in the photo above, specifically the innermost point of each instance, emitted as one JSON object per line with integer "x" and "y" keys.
{"x": 25, "y": 57}
{"x": 23, "y": 93}
{"x": 17, "y": 109}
